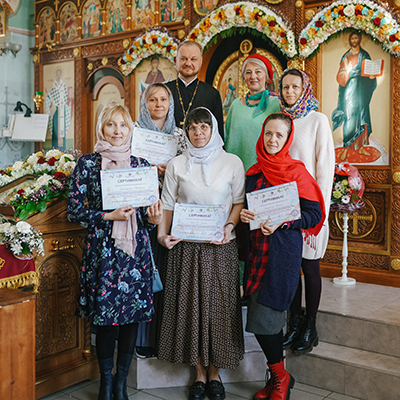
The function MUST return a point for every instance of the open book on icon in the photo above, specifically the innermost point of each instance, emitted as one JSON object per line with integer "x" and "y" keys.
{"x": 372, "y": 68}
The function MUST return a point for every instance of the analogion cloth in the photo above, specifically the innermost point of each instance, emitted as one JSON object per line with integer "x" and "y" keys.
{"x": 16, "y": 272}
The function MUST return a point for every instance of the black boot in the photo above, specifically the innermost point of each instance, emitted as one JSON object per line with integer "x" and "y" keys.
{"x": 123, "y": 364}
{"x": 106, "y": 379}
{"x": 295, "y": 325}
{"x": 308, "y": 339}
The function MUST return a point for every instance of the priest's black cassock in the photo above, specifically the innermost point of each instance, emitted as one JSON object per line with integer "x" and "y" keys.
{"x": 206, "y": 96}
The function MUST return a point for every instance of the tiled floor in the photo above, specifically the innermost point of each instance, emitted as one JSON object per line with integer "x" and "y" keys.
{"x": 379, "y": 303}
{"x": 234, "y": 391}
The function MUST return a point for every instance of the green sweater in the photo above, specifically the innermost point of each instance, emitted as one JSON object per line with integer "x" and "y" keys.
{"x": 242, "y": 130}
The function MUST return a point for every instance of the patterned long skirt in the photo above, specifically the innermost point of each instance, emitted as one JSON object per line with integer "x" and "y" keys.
{"x": 201, "y": 310}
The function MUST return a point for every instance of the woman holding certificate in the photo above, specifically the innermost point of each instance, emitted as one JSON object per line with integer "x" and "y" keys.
{"x": 313, "y": 145}
{"x": 201, "y": 321}
{"x": 115, "y": 287}
{"x": 157, "y": 115}
{"x": 274, "y": 251}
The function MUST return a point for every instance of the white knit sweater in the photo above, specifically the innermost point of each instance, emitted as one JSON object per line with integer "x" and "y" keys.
{"x": 313, "y": 144}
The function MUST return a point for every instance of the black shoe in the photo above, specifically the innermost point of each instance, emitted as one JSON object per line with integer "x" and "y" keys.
{"x": 308, "y": 339}
{"x": 197, "y": 391}
{"x": 294, "y": 329}
{"x": 216, "y": 390}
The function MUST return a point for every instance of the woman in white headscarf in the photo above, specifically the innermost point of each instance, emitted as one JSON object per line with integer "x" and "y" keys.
{"x": 201, "y": 321}
{"x": 115, "y": 291}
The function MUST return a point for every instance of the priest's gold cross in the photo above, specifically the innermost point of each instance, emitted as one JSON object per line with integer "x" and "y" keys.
{"x": 356, "y": 217}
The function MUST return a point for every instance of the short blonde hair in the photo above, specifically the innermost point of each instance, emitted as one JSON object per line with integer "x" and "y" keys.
{"x": 108, "y": 113}
{"x": 190, "y": 43}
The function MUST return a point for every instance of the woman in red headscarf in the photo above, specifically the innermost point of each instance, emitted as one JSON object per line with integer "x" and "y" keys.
{"x": 247, "y": 114}
{"x": 274, "y": 252}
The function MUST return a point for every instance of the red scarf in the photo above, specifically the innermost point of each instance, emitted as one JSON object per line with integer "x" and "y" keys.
{"x": 281, "y": 168}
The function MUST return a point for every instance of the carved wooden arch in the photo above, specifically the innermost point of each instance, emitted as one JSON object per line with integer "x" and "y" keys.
{"x": 105, "y": 81}
{"x": 109, "y": 65}
{"x": 41, "y": 12}
{"x": 102, "y": 6}
{"x": 63, "y": 6}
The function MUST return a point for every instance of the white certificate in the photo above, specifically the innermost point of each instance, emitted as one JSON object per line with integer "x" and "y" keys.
{"x": 277, "y": 203}
{"x": 155, "y": 147}
{"x": 196, "y": 222}
{"x": 136, "y": 187}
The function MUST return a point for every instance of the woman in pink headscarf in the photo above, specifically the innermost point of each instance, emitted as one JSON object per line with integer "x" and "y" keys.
{"x": 115, "y": 290}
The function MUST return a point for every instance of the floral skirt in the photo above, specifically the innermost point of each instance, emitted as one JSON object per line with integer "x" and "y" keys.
{"x": 201, "y": 309}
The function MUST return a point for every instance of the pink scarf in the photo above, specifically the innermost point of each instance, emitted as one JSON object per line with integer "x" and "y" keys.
{"x": 119, "y": 157}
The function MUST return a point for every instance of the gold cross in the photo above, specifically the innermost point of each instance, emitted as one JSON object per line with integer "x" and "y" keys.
{"x": 356, "y": 217}
{"x": 56, "y": 4}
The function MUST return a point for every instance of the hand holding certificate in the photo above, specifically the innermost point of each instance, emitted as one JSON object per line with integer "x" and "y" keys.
{"x": 136, "y": 187}
{"x": 196, "y": 222}
{"x": 277, "y": 204}
{"x": 155, "y": 147}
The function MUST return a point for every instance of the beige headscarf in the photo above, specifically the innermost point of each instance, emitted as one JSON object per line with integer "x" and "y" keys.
{"x": 118, "y": 157}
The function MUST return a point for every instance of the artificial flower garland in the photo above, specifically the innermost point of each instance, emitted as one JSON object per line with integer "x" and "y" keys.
{"x": 246, "y": 14}
{"x": 363, "y": 15}
{"x": 156, "y": 41}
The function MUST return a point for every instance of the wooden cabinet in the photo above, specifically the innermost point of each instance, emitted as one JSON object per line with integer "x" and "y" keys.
{"x": 17, "y": 345}
{"x": 63, "y": 341}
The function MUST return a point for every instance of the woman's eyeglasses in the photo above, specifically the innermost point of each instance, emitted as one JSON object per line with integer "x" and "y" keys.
{"x": 193, "y": 129}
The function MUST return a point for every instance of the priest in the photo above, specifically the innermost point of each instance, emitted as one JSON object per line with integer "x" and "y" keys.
{"x": 188, "y": 91}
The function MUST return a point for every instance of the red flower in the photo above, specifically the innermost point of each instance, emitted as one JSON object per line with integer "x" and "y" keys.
{"x": 169, "y": 47}
{"x": 341, "y": 13}
{"x": 59, "y": 175}
{"x": 122, "y": 61}
{"x": 2, "y": 171}
{"x": 377, "y": 21}
{"x": 52, "y": 161}
{"x": 21, "y": 191}
{"x": 192, "y": 36}
{"x": 154, "y": 40}
{"x": 237, "y": 9}
{"x": 131, "y": 50}
{"x": 283, "y": 34}
{"x": 303, "y": 41}
{"x": 392, "y": 38}
{"x": 271, "y": 23}
{"x": 41, "y": 160}
{"x": 319, "y": 24}
{"x": 357, "y": 11}
{"x": 257, "y": 16}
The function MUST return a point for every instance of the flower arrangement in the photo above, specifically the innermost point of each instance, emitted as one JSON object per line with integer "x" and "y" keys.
{"x": 363, "y": 15}
{"x": 245, "y": 14}
{"x": 156, "y": 41}
{"x": 21, "y": 238}
{"x": 348, "y": 189}
{"x": 53, "y": 170}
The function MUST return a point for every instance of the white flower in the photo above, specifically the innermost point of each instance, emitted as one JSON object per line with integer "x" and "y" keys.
{"x": 23, "y": 227}
{"x": 69, "y": 166}
{"x": 13, "y": 229}
{"x": 42, "y": 181}
{"x": 16, "y": 247}
{"x": 18, "y": 165}
{"x": 56, "y": 182}
{"x": 349, "y": 10}
{"x": 248, "y": 10}
{"x": 5, "y": 227}
{"x": 346, "y": 199}
{"x": 230, "y": 12}
{"x": 64, "y": 156}
{"x": 33, "y": 159}
{"x": 148, "y": 39}
{"x": 53, "y": 153}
